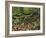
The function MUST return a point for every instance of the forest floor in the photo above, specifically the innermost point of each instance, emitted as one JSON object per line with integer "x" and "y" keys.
{"x": 22, "y": 27}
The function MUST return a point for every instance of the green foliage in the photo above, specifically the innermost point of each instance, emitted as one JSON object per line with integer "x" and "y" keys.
{"x": 26, "y": 15}
{"x": 27, "y": 10}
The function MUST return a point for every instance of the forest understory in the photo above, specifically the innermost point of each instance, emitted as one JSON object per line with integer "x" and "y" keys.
{"x": 25, "y": 19}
